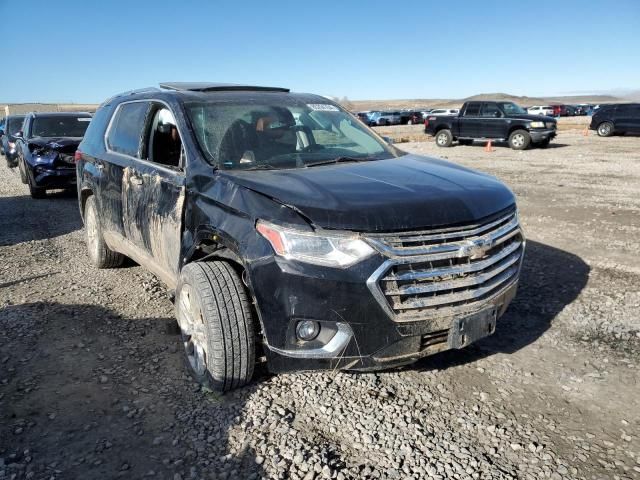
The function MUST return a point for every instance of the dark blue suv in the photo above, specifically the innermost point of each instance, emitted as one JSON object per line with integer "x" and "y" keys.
{"x": 12, "y": 125}
{"x": 46, "y": 147}
{"x": 291, "y": 232}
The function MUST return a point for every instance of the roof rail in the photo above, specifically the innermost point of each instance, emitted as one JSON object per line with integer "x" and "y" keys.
{"x": 217, "y": 87}
{"x": 131, "y": 92}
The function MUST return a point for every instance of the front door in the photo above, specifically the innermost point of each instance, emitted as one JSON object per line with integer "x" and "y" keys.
{"x": 494, "y": 125}
{"x": 153, "y": 195}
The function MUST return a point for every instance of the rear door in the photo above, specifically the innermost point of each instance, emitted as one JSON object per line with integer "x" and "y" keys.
{"x": 493, "y": 124}
{"x": 470, "y": 122}
{"x": 627, "y": 118}
{"x": 153, "y": 194}
{"x": 122, "y": 149}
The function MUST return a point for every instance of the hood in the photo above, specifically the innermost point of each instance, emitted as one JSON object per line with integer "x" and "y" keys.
{"x": 527, "y": 116}
{"x": 409, "y": 192}
{"x": 59, "y": 144}
{"x": 57, "y": 151}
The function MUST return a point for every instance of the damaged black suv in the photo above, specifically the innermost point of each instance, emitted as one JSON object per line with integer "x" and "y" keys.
{"x": 292, "y": 233}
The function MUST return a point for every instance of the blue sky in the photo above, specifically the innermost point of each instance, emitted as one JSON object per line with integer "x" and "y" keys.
{"x": 85, "y": 51}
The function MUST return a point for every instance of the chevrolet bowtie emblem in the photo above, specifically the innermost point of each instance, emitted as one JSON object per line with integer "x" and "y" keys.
{"x": 474, "y": 249}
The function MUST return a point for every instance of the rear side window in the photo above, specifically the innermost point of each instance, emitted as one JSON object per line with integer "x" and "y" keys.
{"x": 473, "y": 110}
{"x": 126, "y": 128}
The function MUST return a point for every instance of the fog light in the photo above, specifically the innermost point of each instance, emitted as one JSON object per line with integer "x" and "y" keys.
{"x": 307, "y": 330}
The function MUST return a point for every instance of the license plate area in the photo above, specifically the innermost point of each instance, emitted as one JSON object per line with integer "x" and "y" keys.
{"x": 466, "y": 330}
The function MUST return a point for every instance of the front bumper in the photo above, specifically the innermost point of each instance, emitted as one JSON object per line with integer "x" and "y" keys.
{"x": 366, "y": 336}
{"x": 542, "y": 135}
{"x": 51, "y": 177}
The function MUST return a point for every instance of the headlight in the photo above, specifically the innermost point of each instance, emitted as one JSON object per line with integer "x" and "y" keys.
{"x": 550, "y": 124}
{"x": 537, "y": 124}
{"x": 332, "y": 250}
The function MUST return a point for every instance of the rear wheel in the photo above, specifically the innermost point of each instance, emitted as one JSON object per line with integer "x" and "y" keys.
{"x": 605, "y": 129}
{"x": 216, "y": 323}
{"x": 519, "y": 140}
{"x": 99, "y": 253}
{"x": 444, "y": 138}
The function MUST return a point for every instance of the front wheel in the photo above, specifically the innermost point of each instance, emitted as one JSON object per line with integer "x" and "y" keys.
{"x": 605, "y": 129}
{"x": 23, "y": 173}
{"x": 444, "y": 138}
{"x": 216, "y": 323}
{"x": 519, "y": 140}
{"x": 37, "y": 192}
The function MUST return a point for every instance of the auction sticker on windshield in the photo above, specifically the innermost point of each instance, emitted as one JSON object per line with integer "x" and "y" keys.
{"x": 323, "y": 107}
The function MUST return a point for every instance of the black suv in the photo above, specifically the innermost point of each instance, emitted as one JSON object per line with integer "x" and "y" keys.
{"x": 616, "y": 119}
{"x": 293, "y": 233}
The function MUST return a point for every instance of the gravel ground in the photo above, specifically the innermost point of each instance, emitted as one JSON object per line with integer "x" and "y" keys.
{"x": 93, "y": 385}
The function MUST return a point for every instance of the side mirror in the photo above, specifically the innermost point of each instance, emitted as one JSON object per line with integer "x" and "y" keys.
{"x": 18, "y": 134}
{"x": 389, "y": 140}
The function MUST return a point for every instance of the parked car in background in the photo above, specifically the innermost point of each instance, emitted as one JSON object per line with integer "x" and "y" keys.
{"x": 616, "y": 119}
{"x": 584, "y": 109}
{"x": 259, "y": 221}
{"x": 412, "y": 117}
{"x": 364, "y": 117}
{"x": 541, "y": 110}
{"x": 569, "y": 111}
{"x": 444, "y": 111}
{"x": 12, "y": 125}
{"x": 557, "y": 110}
{"x": 46, "y": 146}
{"x": 492, "y": 120}
{"x": 385, "y": 118}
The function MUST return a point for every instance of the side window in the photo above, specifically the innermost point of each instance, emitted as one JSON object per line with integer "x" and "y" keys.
{"x": 473, "y": 110}
{"x": 491, "y": 110}
{"x": 126, "y": 129}
{"x": 163, "y": 143}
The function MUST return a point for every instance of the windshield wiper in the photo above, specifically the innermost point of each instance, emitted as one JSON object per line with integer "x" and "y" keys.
{"x": 340, "y": 160}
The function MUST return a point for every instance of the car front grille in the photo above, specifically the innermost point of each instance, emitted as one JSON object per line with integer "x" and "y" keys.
{"x": 448, "y": 269}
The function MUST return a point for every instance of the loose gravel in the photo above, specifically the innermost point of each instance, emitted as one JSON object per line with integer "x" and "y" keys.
{"x": 93, "y": 384}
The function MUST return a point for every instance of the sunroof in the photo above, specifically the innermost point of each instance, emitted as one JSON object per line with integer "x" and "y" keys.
{"x": 217, "y": 87}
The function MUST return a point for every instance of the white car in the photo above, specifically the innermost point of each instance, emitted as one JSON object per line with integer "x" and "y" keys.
{"x": 541, "y": 110}
{"x": 445, "y": 111}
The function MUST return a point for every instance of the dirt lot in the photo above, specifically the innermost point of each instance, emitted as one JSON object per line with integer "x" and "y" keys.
{"x": 92, "y": 383}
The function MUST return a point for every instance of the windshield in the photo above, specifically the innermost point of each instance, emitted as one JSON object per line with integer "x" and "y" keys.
{"x": 287, "y": 134}
{"x": 14, "y": 124}
{"x": 59, "y": 126}
{"x": 511, "y": 108}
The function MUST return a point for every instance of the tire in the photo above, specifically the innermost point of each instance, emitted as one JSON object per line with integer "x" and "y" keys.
{"x": 23, "y": 173}
{"x": 444, "y": 138}
{"x": 605, "y": 129}
{"x": 99, "y": 253}
{"x": 37, "y": 192}
{"x": 216, "y": 323}
{"x": 519, "y": 140}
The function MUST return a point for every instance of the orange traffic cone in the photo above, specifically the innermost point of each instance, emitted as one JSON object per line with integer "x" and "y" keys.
{"x": 488, "y": 147}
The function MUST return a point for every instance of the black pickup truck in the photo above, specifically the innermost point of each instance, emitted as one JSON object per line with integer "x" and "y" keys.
{"x": 501, "y": 121}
